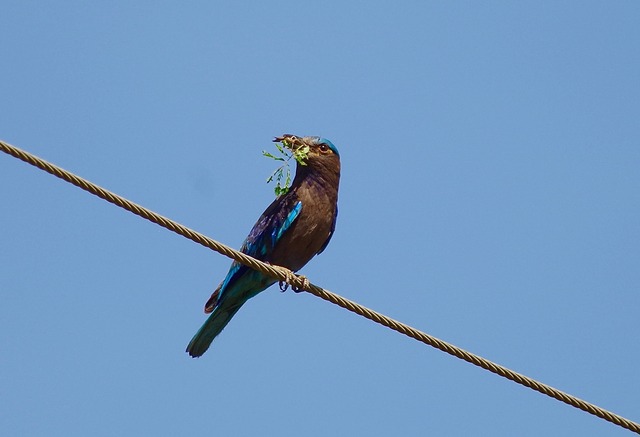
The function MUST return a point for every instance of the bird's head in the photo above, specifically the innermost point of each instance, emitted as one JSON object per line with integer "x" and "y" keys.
{"x": 320, "y": 153}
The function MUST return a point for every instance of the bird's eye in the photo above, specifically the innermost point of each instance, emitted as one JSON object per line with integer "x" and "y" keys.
{"x": 323, "y": 147}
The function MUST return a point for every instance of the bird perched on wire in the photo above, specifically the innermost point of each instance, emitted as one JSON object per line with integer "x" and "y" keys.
{"x": 292, "y": 230}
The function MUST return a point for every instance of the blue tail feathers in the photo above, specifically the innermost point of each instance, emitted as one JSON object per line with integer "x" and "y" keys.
{"x": 211, "y": 328}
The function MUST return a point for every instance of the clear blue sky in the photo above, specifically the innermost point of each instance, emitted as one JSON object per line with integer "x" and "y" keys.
{"x": 490, "y": 196}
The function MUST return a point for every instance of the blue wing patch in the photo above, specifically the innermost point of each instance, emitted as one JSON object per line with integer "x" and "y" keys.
{"x": 260, "y": 242}
{"x": 235, "y": 267}
{"x": 278, "y": 232}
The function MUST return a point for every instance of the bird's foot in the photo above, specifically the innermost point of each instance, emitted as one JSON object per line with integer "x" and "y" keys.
{"x": 305, "y": 284}
{"x": 284, "y": 285}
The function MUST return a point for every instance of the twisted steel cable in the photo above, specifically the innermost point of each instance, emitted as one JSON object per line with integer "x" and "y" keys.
{"x": 302, "y": 283}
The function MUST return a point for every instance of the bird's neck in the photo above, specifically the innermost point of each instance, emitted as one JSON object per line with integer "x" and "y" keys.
{"x": 325, "y": 180}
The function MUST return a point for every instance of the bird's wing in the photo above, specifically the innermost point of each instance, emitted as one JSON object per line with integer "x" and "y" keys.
{"x": 264, "y": 235}
{"x": 333, "y": 228}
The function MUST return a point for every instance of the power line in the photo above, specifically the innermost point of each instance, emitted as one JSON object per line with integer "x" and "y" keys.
{"x": 302, "y": 283}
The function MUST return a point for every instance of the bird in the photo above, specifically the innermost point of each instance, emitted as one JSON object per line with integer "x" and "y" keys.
{"x": 294, "y": 228}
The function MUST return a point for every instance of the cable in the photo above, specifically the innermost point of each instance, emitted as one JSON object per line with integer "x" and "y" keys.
{"x": 302, "y": 283}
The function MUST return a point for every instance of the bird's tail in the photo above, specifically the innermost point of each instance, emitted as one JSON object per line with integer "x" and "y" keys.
{"x": 216, "y": 322}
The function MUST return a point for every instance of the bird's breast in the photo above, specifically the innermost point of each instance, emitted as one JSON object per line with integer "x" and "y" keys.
{"x": 308, "y": 233}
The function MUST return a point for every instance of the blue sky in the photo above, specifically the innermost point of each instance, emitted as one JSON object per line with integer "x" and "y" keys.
{"x": 490, "y": 196}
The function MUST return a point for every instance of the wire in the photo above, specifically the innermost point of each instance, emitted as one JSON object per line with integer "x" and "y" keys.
{"x": 302, "y": 283}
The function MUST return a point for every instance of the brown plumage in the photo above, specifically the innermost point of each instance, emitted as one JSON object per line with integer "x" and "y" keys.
{"x": 292, "y": 230}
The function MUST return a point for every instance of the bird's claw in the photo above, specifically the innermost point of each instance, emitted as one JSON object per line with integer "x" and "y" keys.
{"x": 284, "y": 285}
{"x": 305, "y": 284}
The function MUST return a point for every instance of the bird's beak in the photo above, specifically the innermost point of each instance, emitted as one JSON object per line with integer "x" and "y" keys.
{"x": 291, "y": 142}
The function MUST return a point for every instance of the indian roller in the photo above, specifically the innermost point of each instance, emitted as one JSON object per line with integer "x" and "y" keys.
{"x": 292, "y": 230}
